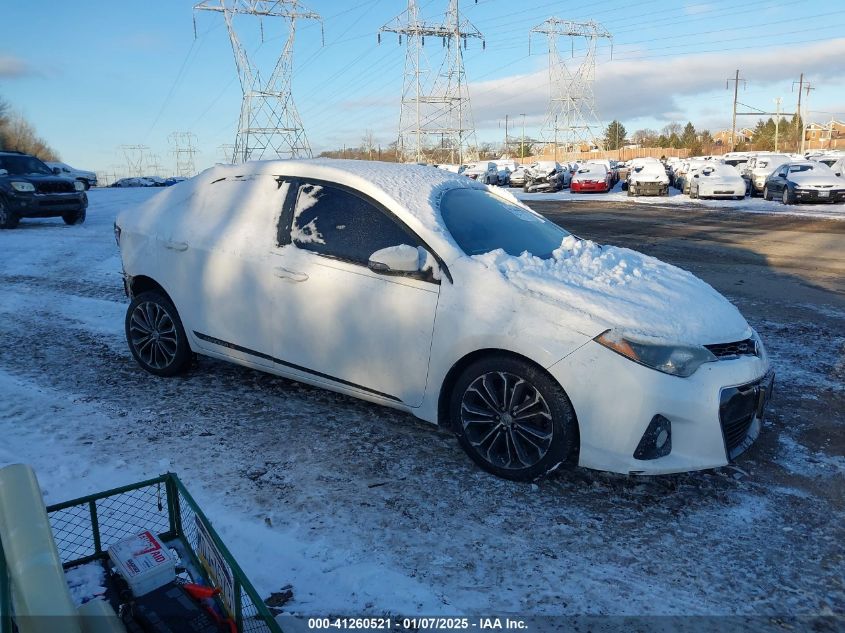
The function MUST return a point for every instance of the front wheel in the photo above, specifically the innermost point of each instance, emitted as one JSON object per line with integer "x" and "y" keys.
{"x": 8, "y": 218}
{"x": 513, "y": 419}
{"x": 767, "y": 195}
{"x": 78, "y": 217}
{"x": 787, "y": 198}
{"x": 155, "y": 335}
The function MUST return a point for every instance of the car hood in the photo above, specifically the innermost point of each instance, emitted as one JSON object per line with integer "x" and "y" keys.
{"x": 596, "y": 288}
{"x": 811, "y": 179}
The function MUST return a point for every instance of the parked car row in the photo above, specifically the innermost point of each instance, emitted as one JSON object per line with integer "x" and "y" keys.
{"x": 146, "y": 181}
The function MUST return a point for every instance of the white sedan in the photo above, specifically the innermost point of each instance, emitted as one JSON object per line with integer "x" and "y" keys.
{"x": 716, "y": 180}
{"x": 434, "y": 294}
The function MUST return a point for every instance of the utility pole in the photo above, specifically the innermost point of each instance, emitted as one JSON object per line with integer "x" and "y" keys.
{"x": 555, "y": 138}
{"x": 736, "y": 81}
{"x": 522, "y": 145}
{"x": 777, "y": 121}
{"x": 507, "y": 144}
{"x": 798, "y": 110}
{"x": 807, "y": 87}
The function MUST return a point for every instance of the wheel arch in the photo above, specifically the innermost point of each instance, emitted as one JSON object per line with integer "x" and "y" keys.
{"x": 142, "y": 283}
{"x": 465, "y": 361}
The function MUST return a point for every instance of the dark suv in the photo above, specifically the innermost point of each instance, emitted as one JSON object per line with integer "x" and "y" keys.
{"x": 30, "y": 189}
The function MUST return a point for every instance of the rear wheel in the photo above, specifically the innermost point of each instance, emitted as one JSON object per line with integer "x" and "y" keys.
{"x": 8, "y": 218}
{"x": 155, "y": 335}
{"x": 513, "y": 419}
{"x": 77, "y": 217}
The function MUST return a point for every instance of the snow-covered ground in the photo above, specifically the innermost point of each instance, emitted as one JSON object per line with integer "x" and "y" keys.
{"x": 365, "y": 510}
{"x": 675, "y": 197}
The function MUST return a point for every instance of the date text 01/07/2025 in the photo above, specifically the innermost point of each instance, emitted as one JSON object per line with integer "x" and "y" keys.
{"x": 420, "y": 623}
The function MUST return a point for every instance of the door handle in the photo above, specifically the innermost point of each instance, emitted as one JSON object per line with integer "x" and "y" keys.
{"x": 290, "y": 275}
{"x": 176, "y": 246}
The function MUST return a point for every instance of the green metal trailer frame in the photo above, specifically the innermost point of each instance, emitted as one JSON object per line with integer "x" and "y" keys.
{"x": 84, "y": 529}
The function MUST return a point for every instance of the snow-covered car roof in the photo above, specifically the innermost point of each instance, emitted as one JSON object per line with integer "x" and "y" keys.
{"x": 416, "y": 189}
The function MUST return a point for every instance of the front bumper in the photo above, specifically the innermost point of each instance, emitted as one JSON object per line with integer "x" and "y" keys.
{"x": 648, "y": 188}
{"x": 721, "y": 191}
{"x": 813, "y": 195}
{"x": 46, "y": 205}
{"x": 615, "y": 401}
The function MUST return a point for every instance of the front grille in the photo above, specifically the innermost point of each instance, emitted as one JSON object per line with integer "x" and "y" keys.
{"x": 55, "y": 186}
{"x": 738, "y": 409}
{"x": 725, "y": 351}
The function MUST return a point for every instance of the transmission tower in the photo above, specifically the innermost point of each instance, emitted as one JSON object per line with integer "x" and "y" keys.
{"x": 226, "y": 151}
{"x": 436, "y": 117}
{"x": 571, "y": 120}
{"x": 183, "y": 148}
{"x": 134, "y": 155}
{"x": 269, "y": 122}
{"x": 153, "y": 165}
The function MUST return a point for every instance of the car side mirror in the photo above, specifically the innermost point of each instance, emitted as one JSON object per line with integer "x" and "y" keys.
{"x": 56, "y": 171}
{"x": 396, "y": 259}
{"x": 696, "y": 176}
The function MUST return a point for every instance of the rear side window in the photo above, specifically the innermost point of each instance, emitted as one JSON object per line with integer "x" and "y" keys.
{"x": 338, "y": 223}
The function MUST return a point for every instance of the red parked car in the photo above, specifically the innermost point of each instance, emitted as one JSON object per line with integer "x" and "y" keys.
{"x": 591, "y": 177}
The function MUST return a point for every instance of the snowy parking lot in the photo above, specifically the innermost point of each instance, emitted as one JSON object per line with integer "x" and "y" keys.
{"x": 364, "y": 510}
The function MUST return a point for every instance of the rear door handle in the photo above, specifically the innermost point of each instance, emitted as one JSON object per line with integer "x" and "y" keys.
{"x": 290, "y": 275}
{"x": 176, "y": 246}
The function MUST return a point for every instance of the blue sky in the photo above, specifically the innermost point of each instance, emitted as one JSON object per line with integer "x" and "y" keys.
{"x": 95, "y": 74}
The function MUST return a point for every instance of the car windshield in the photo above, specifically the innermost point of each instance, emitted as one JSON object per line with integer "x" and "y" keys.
{"x": 796, "y": 168}
{"x": 23, "y": 165}
{"x": 481, "y": 221}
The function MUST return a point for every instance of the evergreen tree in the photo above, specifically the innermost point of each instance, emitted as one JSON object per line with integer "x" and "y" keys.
{"x": 615, "y": 135}
{"x": 688, "y": 137}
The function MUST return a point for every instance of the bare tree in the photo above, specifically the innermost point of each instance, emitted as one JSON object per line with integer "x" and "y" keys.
{"x": 17, "y": 134}
{"x": 673, "y": 128}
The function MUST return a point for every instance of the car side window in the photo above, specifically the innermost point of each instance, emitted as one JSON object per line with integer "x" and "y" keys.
{"x": 338, "y": 223}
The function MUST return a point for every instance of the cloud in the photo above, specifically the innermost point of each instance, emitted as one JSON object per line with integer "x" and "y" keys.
{"x": 633, "y": 88}
{"x": 11, "y": 67}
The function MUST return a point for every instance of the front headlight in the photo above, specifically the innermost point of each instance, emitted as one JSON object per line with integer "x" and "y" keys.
{"x": 79, "y": 185}
{"x": 23, "y": 187}
{"x": 677, "y": 360}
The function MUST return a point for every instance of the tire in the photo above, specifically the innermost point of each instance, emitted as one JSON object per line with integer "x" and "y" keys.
{"x": 168, "y": 354}
{"x": 787, "y": 198}
{"x": 547, "y": 418}
{"x": 8, "y": 218}
{"x": 77, "y": 217}
{"x": 767, "y": 195}
{"x": 692, "y": 194}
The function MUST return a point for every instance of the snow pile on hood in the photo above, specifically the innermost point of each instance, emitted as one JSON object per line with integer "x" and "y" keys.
{"x": 637, "y": 295}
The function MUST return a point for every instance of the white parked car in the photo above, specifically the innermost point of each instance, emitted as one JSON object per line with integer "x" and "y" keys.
{"x": 838, "y": 167}
{"x": 425, "y": 291}
{"x": 759, "y": 168}
{"x": 717, "y": 180}
{"x": 485, "y": 172}
{"x": 87, "y": 178}
{"x": 647, "y": 177}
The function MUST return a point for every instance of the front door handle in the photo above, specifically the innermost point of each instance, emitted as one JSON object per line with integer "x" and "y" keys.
{"x": 290, "y": 275}
{"x": 176, "y": 246}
